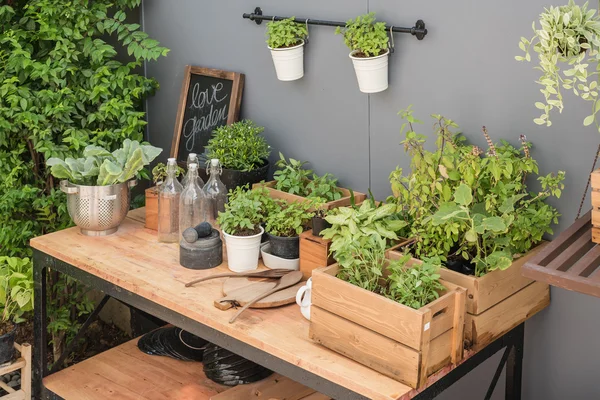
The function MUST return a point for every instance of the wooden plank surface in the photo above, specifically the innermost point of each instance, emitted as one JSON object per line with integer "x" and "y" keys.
{"x": 133, "y": 259}
{"x": 275, "y": 387}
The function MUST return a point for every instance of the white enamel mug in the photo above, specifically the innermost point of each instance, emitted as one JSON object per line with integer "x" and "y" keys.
{"x": 303, "y": 298}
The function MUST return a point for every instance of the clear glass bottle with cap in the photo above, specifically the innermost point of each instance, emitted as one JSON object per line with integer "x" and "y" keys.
{"x": 168, "y": 205}
{"x": 191, "y": 202}
{"x": 215, "y": 193}
{"x": 192, "y": 159}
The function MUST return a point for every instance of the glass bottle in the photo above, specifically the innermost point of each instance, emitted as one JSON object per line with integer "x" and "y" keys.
{"x": 192, "y": 159}
{"x": 190, "y": 204}
{"x": 168, "y": 205}
{"x": 215, "y": 193}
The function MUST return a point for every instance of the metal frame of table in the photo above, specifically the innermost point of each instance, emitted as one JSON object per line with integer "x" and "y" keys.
{"x": 512, "y": 341}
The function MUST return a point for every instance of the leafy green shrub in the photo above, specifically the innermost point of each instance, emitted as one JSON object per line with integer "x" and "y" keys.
{"x": 285, "y": 33}
{"x": 414, "y": 286}
{"x": 293, "y": 178}
{"x": 61, "y": 89}
{"x": 245, "y": 211}
{"x": 101, "y": 167}
{"x": 288, "y": 219}
{"x": 16, "y": 288}
{"x": 460, "y": 201}
{"x": 365, "y": 36}
{"x": 159, "y": 173}
{"x": 239, "y": 146}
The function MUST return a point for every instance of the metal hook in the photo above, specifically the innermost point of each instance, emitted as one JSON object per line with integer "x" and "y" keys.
{"x": 307, "y": 35}
{"x": 392, "y": 39}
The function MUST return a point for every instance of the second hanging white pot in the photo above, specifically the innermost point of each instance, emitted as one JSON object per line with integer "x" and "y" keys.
{"x": 243, "y": 251}
{"x": 371, "y": 72}
{"x": 289, "y": 62}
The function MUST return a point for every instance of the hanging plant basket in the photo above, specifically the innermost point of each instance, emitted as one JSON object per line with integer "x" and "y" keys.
{"x": 289, "y": 62}
{"x": 371, "y": 72}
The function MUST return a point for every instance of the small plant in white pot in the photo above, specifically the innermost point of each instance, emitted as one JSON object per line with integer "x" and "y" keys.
{"x": 369, "y": 45}
{"x": 241, "y": 226}
{"x": 285, "y": 39}
{"x": 285, "y": 222}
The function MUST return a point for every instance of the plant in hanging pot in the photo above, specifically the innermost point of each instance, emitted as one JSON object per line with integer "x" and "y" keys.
{"x": 97, "y": 185}
{"x": 159, "y": 173}
{"x": 241, "y": 226}
{"x": 369, "y": 45}
{"x": 286, "y": 39}
{"x": 242, "y": 151}
{"x": 16, "y": 299}
{"x": 284, "y": 224}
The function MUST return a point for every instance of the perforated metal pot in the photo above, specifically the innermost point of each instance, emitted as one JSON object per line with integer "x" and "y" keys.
{"x": 98, "y": 210}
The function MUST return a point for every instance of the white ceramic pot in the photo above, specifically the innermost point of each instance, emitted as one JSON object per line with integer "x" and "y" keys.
{"x": 243, "y": 251}
{"x": 289, "y": 62}
{"x": 303, "y": 298}
{"x": 274, "y": 262}
{"x": 371, "y": 72}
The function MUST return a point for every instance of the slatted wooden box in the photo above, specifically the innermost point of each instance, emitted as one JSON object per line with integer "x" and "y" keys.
{"x": 499, "y": 301}
{"x": 595, "y": 184}
{"x": 345, "y": 200}
{"x": 403, "y": 343}
{"x": 314, "y": 253}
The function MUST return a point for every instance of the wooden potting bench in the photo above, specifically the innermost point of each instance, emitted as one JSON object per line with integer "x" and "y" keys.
{"x": 134, "y": 268}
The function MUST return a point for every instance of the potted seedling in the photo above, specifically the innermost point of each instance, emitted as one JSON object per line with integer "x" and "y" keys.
{"x": 241, "y": 226}
{"x": 97, "y": 185}
{"x": 16, "y": 299}
{"x": 242, "y": 151}
{"x": 319, "y": 223}
{"x": 159, "y": 173}
{"x": 284, "y": 225}
{"x": 369, "y": 50}
{"x": 285, "y": 39}
{"x": 351, "y": 301}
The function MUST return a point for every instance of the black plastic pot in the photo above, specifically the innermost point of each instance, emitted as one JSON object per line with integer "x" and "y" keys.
{"x": 285, "y": 247}
{"x": 7, "y": 346}
{"x": 233, "y": 178}
{"x": 318, "y": 224}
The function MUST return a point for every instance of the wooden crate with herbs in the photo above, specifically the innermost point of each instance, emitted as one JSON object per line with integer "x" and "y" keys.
{"x": 401, "y": 342}
{"x": 499, "y": 300}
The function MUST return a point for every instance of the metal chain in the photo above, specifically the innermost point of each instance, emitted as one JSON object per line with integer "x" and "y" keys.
{"x": 587, "y": 186}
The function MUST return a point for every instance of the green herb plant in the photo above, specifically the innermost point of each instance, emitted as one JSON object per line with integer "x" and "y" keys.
{"x": 291, "y": 177}
{"x": 159, "y": 173}
{"x": 288, "y": 219}
{"x": 462, "y": 201}
{"x": 245, "y": 211}
{"x": 101, "y": 167}
{"x": 364, "y": 36}
{"x": 285, "y": 33}
{"x": 569, "y": 36}
{"x": 239, "y": 146}
{"x": 16, "y": 288}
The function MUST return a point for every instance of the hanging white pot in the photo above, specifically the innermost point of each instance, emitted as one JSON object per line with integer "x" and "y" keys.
{"x": 371, "y": 72}
{"x": 289, "y": 62}
{"x": 243, "y": 251}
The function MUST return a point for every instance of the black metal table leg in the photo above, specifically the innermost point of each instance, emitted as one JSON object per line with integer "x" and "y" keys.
{"x": 40, "y": 323}
{"x": 514, "y": 365}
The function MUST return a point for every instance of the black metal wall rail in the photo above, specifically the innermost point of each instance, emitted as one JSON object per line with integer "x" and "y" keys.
{"x": 257, "y": 16}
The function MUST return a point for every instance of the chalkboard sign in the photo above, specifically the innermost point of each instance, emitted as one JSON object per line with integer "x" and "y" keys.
{"x": 209, "y": 98}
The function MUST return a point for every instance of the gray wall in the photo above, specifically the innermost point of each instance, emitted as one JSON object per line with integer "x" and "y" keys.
{"x": 464, "y": 69}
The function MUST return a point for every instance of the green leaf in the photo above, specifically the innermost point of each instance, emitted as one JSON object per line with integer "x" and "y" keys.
{"x": 494, "y": 224}
{"x": 463, "y": 195}
{"x": 588, "y": 120}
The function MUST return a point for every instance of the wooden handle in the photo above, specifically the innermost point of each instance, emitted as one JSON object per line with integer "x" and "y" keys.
{"x": 225, "y": 275}
{"x": 254, "y": 300}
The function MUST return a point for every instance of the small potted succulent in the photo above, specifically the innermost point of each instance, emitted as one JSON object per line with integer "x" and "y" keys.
{"x": 242, "y": 151}
{"x": 241, "y": 226}
{"x": 285, "y": 39}
{"x": 369, "y": 50}
{"x": 284, "y": 224}
{"x": 16, "y": 299}
{"x": 97, "y": 185}
{"x": 159, "y": 173}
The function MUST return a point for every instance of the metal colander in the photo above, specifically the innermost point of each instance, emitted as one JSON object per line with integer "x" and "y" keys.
{"x": 97, "y": 210}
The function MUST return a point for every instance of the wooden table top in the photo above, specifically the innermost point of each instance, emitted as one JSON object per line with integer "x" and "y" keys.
{"x": 133, "y": 259}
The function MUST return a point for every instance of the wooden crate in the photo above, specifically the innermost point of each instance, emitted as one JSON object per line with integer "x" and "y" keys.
{"x": 24, "y": 364}
{"x": 403, "y": 343}
{"x": 152, "y": 208}
{"x": 342, "y": 202}
{"x": 595, "y": 184}
{"x": 314, "y": 253}
{"x": 504, "y": 297}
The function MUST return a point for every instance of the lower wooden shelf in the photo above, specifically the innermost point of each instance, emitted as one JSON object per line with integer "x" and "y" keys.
{"x": 124, "y": 372}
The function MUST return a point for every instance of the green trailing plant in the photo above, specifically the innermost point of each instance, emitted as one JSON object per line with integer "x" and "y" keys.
{"x": 16, "y": 288}
{"x": 245, "y": 211}
{"x": 239, "y": 146}
{"x": 99, "y": 167}
{"x": 365, "y": 36}
{"x": 159, "y": 173}
{"x": 355, "y": 225}
{"x": 291, "y": 177}
{"x": 285, "y": 33}
{"x": 288, "y": 219}
{"x": 62, "y": 89}
{"x": 569, "y": 36}
{"x": 463, "y": 202}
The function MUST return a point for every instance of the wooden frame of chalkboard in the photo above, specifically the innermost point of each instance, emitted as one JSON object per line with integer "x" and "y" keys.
{"x": 204, "y": 108}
